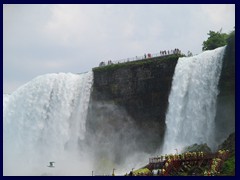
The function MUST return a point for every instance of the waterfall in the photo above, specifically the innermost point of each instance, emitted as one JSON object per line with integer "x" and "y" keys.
{"x": 44, "y": 120}
{"x": 192, "y": 101}
{"x": 5, "y": 99}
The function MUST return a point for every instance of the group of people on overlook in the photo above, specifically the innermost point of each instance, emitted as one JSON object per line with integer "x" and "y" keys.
{"x": 148, "y": 55}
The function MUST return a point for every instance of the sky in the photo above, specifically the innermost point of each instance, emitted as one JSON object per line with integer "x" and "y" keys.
{"x": 41, "y": 39}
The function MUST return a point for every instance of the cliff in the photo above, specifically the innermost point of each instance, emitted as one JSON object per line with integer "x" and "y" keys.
{"x": 225, "y": 115}
{"x": 131, "y": 100}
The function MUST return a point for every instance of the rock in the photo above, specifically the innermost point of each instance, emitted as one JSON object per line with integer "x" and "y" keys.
{"x": 197, "y": 147}
{"x": 229, "y": 144}
{"x": 225, "y": 114}
{"x": 129, "y": 102}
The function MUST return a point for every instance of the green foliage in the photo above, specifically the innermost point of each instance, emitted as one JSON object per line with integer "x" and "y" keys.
{"x": 229, "y": 166}
{"x": 215, "y": 40}
{"x": 143, "y": 170}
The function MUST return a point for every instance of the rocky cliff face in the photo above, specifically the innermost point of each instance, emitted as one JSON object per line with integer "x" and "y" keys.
{"x": 131, "y": 100}
{"x": 225, "y": 115}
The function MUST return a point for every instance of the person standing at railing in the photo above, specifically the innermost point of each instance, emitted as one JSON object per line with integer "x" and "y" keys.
{"x": 110, "y": 62}
{"x": 102, "y": 64}
{"x": 162, "y": 157}
{"x": 163, "y": 172}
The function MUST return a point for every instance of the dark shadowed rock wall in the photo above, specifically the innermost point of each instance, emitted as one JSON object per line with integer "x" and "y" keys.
{"x": 131, "y": 100}
{"x": 225, "y": 115}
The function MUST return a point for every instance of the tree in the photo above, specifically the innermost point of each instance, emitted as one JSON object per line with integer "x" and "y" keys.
{"x": 215, "y": 40}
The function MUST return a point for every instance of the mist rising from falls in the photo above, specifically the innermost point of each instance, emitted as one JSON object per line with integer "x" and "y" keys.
{"x": 5, "y": 99}
{"x": 192, "y": 101}
{"x": 44, "y": 120}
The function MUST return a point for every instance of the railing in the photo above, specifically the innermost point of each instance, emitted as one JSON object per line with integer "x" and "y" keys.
{"x": 145, "y": 56}
{"x": 136, "y": 58}
{"x": 160, "y": 162}
{"x": 156, "y": 160}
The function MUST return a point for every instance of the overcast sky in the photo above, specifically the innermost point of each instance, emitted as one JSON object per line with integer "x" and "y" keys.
{"x": 40, "y": 39}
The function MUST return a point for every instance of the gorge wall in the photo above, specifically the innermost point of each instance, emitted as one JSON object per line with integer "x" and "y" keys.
{"x": 140, "y": 92}
{"x": 225, "y": 115}
{"x": 129, "y": 102}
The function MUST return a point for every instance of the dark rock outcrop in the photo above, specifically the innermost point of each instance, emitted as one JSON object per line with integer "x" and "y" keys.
{"x": 130, "y": 100}
{"x": 229, "y": 144}
{"x": 225, "y": 115}
{"x": 198, "y": 147}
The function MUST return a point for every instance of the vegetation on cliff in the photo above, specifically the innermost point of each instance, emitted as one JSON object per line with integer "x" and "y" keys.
{"x": 215, "y": 40}
{"x": 137, "y": 63}
{"x": 218, "y": 39}
{"x": 229, "y": 165}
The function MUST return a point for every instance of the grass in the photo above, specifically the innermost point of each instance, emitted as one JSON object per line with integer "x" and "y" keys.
{"x": 144, "y": 171}
{"x": 137, "y": 63}
{"x": 229, "y": 167}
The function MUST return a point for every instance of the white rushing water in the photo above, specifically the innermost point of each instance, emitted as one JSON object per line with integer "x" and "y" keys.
{"x": 192, "y": 101}
{"x": 44, "y": 120}
{"x": 5, "y": 99}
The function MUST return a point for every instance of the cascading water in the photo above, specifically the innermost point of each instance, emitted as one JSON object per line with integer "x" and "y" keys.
{"x": 44, "y": 120}
{"x": 192, "y": 101}
{"x": 5, "y": 99}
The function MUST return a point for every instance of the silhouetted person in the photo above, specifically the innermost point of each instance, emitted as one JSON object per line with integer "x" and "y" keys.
{"x": 131, "y": 173}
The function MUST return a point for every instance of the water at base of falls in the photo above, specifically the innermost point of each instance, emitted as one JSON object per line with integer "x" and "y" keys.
{"x": 44, "y": 121}
{"x": 192, "y": 101}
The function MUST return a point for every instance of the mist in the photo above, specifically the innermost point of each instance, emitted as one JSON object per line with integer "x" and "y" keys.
{"x": 113, "y": 135}
{"x": 48, "y": 119}
{"x": 44, "y": 120}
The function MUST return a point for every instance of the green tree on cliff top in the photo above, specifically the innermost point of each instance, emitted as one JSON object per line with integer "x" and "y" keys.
{"x": 215, "y": 40}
